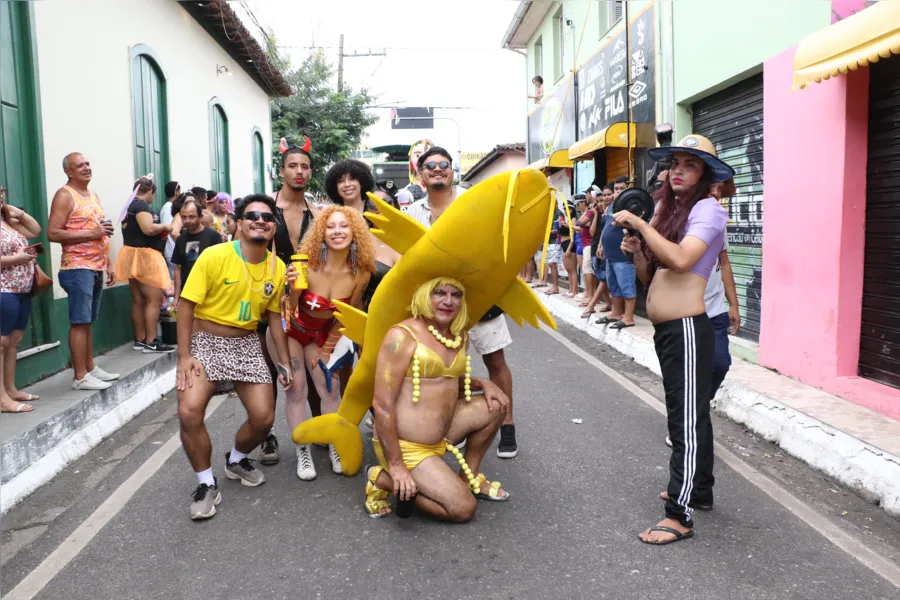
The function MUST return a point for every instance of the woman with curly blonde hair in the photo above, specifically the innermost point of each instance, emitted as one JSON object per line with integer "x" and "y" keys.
{"x": 341, "y": 260}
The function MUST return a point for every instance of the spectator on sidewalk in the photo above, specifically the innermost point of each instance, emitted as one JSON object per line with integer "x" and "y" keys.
{"x": 221, "y": 207}
{"x": 16, "y": 280}
{"x": 167, "y": 217}
{"x": 77, "y": 222}
{"x": 598, "y": 262}
{"x": 554, "y": 256}
{"x": 585, "y": 221}
{"x": 569, "y": 241}
{"x": 141, "y": 262}
{"x": 194, "y": 239}
{"x": 620, "y": 273}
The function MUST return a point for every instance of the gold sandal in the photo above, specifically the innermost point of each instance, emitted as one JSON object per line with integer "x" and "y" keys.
{"x": 493, "y": 494}
{"x": 376, "y": 498}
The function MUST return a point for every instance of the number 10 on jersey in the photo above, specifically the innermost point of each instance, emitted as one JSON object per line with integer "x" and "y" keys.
{"x": 244, "y": 314}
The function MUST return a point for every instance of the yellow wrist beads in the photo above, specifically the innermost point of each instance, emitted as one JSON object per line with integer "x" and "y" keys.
{"x": 473, "y": 483}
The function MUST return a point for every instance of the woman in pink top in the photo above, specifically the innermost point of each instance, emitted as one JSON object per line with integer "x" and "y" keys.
{"x": 16, "y": 279}
{"x": 679, "y": 251}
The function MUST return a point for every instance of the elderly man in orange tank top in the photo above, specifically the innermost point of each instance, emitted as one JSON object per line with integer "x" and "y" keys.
{"x": 78, "y": 223}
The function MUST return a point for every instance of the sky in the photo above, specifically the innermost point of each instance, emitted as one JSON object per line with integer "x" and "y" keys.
{"x": 438, "y": 54}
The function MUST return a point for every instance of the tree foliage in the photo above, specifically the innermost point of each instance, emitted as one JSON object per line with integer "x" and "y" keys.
{"x": 334, "y": 121}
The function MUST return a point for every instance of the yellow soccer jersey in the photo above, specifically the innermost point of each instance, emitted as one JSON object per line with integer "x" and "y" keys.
{"x": 231, "y": 292}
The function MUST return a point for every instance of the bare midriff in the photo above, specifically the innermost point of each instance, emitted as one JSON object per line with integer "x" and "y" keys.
{"x": 675, "y": 295}
{"x": 426, "y": 421}
{"x": 217, "y": 329}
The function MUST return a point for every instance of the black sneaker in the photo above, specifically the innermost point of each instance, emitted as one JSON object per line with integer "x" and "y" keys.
{"x": 269, "y": 451}
{"x": 157, "y": 347}
{"x": 507, "y": 447}
{"x": 139, "y": 345}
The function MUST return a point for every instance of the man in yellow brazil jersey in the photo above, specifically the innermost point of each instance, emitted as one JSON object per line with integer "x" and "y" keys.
{"x": 230, "y": 287}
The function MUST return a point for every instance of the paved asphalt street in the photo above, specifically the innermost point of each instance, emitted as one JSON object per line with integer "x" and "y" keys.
{"x": 580, "y": 494}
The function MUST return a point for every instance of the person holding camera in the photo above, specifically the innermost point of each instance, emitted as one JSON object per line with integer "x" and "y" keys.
{"x": 16, "y": 281}
{"x": 78, "y": 224}
{"x": 674, "y": 255}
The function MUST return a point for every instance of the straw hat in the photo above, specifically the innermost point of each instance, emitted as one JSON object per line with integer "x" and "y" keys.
{"x": 700, "y": 147}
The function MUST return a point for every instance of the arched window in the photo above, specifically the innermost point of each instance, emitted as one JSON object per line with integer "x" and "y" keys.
{"x": 259, "y": 162}
{"x": 149, "y": 116}
{"x": 219, "y": 160}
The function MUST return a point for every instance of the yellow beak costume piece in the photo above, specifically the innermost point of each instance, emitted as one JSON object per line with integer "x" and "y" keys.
{"x": 483, "y": 239}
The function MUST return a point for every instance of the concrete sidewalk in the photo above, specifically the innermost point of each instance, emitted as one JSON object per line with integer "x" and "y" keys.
{"x": 67, "y": 423}
{"x": 853, "y": 445}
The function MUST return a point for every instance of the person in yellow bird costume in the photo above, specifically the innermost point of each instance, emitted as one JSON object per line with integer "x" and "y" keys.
{"x": 448, "y": 277}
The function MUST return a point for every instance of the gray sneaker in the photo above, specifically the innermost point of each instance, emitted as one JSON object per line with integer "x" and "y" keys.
{"x": 205, "y": 498}
{"x": 243, "y": 470}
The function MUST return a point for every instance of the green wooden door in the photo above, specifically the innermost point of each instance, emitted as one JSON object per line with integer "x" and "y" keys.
{"x": 150, "y": 127}
{"x": 219, "y": 159}
{"x": 19, "y": 170}
{"x": 259, "y": 165}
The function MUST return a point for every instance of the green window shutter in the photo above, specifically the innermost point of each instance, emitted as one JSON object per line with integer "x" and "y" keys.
{"x": 220, "y": 170}
{"x": 259, "y": 164}
{"x": 150, "y": 122}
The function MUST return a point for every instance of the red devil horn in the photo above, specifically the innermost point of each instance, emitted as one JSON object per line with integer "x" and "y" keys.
{"x": 283, "y": 145}
{"x": 307, "y": 144}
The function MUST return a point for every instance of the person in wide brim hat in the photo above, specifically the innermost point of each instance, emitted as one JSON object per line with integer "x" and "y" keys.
{"x": 700, "y": 147}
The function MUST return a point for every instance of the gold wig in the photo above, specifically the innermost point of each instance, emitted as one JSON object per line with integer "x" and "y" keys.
{"x": 423, "y": 308}
{"x": 315, "y": 238}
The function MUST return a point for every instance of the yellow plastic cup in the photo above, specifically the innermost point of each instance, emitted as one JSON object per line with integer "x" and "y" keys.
{"x": 301, "y": 262}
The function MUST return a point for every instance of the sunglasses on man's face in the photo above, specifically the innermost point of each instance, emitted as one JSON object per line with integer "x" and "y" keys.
{"x": 255, "y": 215}
{"x": 433, "y": 166}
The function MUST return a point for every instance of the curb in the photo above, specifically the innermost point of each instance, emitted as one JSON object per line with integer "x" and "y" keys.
{"x": 862, "y": 467}
{"x": 36, "y": 456}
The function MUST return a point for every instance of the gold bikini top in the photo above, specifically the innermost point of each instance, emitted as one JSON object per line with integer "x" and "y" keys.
{"x": 431, "y": 365}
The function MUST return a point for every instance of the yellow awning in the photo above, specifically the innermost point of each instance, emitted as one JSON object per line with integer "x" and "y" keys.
{"x": 557, "y": 160}
{"x": 867, "y": 36}
{"x": 614, "y": 136}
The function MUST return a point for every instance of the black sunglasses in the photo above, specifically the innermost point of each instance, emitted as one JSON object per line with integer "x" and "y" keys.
{"x": 431, "y": 166}
{"x": 255, "y": 215}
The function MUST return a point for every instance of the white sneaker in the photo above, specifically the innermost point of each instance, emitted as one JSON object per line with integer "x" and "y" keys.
{"x": 306, "y": 470}
{"x": 102, "y": 375}
{"x": 90, "y": 383}
{"x": 336, "y": 465}
{"x": 668, "y": 441}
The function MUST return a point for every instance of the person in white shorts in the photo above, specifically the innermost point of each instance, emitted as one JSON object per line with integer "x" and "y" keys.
{"x": 491, "y": 335}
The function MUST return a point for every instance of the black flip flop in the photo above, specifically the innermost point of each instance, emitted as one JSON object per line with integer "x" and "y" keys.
{"x": 605, "y": 321}
{"x": 620, "y": 325}
{"x": 678, "y": 535}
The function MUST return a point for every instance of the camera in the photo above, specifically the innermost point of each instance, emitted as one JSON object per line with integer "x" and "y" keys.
{"x": 664, "y": 133}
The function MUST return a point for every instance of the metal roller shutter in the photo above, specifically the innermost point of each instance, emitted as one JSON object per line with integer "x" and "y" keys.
{"x": 733, "y": 120}
{"x": 879, "y": 345}
{"x": 616, "y": 163}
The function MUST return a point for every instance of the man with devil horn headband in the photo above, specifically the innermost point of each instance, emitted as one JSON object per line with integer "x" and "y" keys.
{"x": 293, "y": 217}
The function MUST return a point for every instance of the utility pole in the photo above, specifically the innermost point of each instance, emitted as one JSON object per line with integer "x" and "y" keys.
{"x": 341, "y": 64}
{"x": 341, "y": 56}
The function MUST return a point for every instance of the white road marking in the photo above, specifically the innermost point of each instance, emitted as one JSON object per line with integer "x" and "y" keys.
{"x": 837, "y": 536}
{"x": 66, "y": 552}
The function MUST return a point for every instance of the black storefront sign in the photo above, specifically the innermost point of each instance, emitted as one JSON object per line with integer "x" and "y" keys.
{"x": 542, "y": 123}
{"x": 603, "y": 80}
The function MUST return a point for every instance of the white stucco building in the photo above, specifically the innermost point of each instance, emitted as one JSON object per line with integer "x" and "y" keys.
{"x": 179, "y": 89}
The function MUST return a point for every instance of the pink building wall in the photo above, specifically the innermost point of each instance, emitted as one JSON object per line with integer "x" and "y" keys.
{"x": 814, "y": 155}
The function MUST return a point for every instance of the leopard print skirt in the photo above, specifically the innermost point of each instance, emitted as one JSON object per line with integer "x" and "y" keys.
{"x": 227, "y": 360}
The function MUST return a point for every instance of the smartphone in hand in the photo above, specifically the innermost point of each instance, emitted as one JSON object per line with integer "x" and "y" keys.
{"x": 35, "y": 249}
{"x": 283, "y": 372}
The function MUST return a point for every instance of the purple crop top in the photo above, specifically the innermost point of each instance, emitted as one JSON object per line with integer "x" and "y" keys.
{"x": 707, "y": 222}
